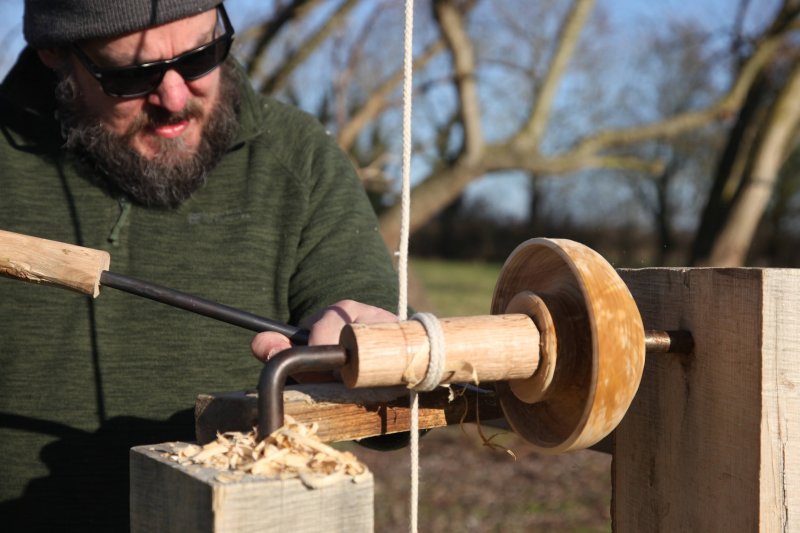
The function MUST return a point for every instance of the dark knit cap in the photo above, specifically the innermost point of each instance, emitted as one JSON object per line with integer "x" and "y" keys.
{"x": 53, "y": 23}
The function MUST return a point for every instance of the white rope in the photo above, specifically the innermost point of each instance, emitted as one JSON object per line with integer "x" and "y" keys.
{"x": 405, "y": 197}
{"x": 402, "y": 264}
{"x": 436, "y": 360}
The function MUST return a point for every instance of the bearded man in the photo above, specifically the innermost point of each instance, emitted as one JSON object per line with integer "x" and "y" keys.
{"x": 128, "y": 127}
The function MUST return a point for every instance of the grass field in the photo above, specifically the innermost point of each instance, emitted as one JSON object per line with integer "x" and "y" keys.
{"x": 455, "y": 288}
{"x": 466, "y": 486}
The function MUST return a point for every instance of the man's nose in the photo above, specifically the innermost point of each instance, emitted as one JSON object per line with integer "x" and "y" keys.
{"x": 171, "y": 94}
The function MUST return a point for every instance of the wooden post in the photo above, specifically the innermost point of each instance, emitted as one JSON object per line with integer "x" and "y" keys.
{"x": 712, "y": 439}
{"x": 169, "y": 497}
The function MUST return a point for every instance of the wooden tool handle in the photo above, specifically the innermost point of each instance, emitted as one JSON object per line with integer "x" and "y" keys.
{"x": 52, "y": 263}
{"x": 491, "y": 348}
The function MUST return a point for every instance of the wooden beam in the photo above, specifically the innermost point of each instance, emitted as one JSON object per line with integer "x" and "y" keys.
{"x": 344, "y": 414}
{"x": 168, "y": 497}
{"x": 712, "y": 439}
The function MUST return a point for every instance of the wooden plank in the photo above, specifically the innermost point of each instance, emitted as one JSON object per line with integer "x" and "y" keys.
{"x": 343, "y": 414}
{"x": 711, "y": 440}
{"x": 168, "y": 497}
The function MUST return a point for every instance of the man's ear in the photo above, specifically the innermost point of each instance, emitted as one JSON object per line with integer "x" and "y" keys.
{"x": 51, "y": 58}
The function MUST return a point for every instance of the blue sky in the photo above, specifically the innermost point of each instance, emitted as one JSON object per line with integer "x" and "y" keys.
{"x": 715, "y": 13}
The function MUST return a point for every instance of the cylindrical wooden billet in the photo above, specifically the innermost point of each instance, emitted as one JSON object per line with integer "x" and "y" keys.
{"x": 482, "y": 348}
{"x": 52, "y": 263}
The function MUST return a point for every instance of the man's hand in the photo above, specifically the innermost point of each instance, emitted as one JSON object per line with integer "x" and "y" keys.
{"x": 324, "y": 327}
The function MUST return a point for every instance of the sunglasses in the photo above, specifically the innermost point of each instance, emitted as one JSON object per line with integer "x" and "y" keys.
{"x": 138, "y": 80}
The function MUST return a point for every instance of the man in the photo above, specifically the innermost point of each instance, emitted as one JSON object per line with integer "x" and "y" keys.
{"x": 127, "y": 127}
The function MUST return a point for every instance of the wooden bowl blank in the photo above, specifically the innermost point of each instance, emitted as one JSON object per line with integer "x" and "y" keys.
{"x": 580, "y": 393}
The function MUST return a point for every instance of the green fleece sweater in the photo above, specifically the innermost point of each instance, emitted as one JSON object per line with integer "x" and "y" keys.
{"x": 282, "y": 229}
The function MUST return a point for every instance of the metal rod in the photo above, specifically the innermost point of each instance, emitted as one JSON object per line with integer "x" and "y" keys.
{"x": 273, "y": 377}
{"x": 201, "y": 306}
{"x": 655, "y": 341}
{"x": 668, "y": 341}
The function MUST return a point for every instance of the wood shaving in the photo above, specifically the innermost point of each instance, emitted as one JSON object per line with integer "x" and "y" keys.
{"x": 292, "y": 451}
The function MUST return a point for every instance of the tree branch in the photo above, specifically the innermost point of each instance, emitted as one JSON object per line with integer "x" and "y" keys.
{"x": 269, "y": 30}
{"x": 279, "y": 79}
{"x": 730, "y": 248}
{"x": 569, "y": 35}
{"x": 684, "y": 122}
{"x": 506, "y": 156}
{"x": 786, "y": 17}
{"x": 451, "y": 22}
{"x": 378, "y": 99}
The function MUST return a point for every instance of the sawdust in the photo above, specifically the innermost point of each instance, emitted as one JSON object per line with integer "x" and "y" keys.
{"x": 293, "y": 451}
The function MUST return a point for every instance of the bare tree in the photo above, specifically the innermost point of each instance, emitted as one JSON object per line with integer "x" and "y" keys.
{"x": 680, "y": 72}
{"x": 747, "y": 172}
{"x": 448, "y": 61}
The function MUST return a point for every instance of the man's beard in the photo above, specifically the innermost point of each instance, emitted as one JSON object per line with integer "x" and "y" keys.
{"x": 176, "y": 171}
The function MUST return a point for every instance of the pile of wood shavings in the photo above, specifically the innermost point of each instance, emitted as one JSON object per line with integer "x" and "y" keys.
{"x": 292, "y": 451}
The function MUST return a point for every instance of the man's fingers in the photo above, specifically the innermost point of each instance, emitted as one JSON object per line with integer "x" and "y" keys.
{"x": 327, "y": 325}
{"x": 266, "y": 344}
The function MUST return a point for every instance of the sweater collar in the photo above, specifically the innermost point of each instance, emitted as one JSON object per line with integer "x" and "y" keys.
{"x": 28, "y": 104}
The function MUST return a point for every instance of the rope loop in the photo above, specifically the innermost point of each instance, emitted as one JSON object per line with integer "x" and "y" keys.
{"x": 436, "y": 359}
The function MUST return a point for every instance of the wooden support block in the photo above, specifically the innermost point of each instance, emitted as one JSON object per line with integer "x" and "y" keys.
{"x": 342, "y": 414}
{"x": 712, "y": 439}
{"x": 168, "y": 497}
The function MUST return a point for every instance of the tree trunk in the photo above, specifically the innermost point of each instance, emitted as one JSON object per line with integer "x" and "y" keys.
{"x": 731, "y": 246}
{"x": 427, "y": 200}
{"x": 732, "y": 166}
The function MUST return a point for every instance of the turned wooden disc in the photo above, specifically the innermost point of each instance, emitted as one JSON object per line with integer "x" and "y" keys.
{"x": 600, "y": 345}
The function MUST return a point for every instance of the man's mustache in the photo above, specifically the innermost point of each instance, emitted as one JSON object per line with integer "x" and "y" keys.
{"x": 155, "y": 117}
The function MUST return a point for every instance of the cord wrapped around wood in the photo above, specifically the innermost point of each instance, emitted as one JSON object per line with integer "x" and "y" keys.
{"x": 480, "y": 348}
